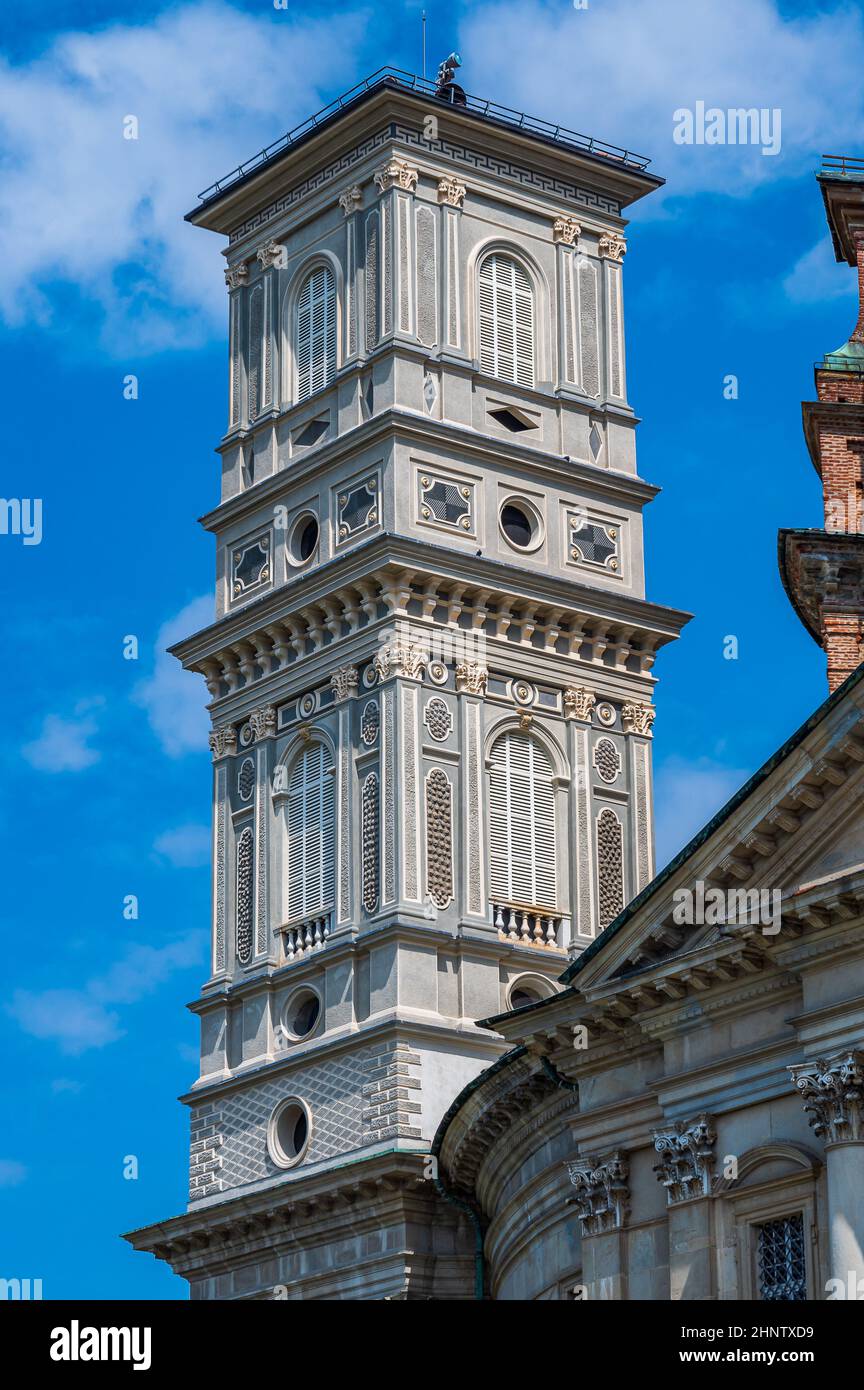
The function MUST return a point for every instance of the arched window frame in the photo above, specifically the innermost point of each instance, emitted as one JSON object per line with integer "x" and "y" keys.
{"x": 309, "y": 809}
{"x": 558, "y": 783}
{"x": 291, "y": 372}
{"x": 540, "y": 300}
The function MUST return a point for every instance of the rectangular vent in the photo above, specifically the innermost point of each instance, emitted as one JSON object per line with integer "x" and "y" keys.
{"x": 512, "y": 419}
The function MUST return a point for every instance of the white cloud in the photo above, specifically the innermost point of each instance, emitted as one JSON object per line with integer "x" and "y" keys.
{"x": 209, "y": 85}
{"x": 63, "y": 744}
{"x": 79, "y": 1019}
{"x": 619, "y": 69}
{"x": 11, "y": 1172}
{"x": 817, "y": 276}
{"x": 175, "y": 699}
{"x": 686, "y": 796}
{"x": 186, "y": 847}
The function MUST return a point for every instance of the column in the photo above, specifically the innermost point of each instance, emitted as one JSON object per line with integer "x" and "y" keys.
{"x": 637, "y": 718}
{"x": 471, "y": 680}
{"x": 235, "y": 278}
{"x": 602, "y": 1203}
{"x": 578, "y": 704}
{"x": 565, "y": 235}
{"x": 223, "y": 744}
{"x": 832, "y": 1089}
{"x": 612, "y": 248}
{"x": 685, "y": 1169}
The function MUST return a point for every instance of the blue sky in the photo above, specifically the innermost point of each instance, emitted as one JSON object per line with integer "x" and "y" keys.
{"x": 104, "y": 761}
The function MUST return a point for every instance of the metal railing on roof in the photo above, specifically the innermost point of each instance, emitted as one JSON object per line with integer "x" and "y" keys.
{"x": 842, "y": 166}
{"x": 410, "y": 82}
{"x": 836, "y": 362}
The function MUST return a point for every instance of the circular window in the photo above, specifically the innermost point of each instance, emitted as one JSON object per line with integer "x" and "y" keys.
{"x": 521, "y": 524}
{"x": 303, "y": 542}
{"x": 289, "y": 1132}
{"x": 528, "y": 989}
{"x": 520, "y": 998}
{"x": 302, "y": 1013}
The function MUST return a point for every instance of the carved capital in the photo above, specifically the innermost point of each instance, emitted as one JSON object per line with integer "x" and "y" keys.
{"x": 579, "y": 702}
{"x": 223, "y": 742}
{"x": 566, "y": 231}
{"x": 472, "y": 677}
{"x": 344, "y": 682}
{"x": 262, "y": 722}
{"x": 686, "y": 1158}
{"x": 397, "y": 173}
{"x": 270, "y": 254}
{"x": 451, "y": 192}
{"x": 236, "y": 275}
{"x": 602, "y": 1197}
{"x": 832, "y": 1089}
{"x": 350, "y": 200}
{"x": 637, "y": 718}
{"x": 403, "y": 659}
{"x": 612, "y": 246}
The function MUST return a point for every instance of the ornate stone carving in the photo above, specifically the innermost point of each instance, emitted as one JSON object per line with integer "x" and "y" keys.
{"x": 637, "y": 718}
{"x": 246, "y": 780}
{"x": 350, "y": 200}
{"x": 437, "y": 718}
{"x": 686, "y": 1158}
{"x": 370, "y": 722}
{"x": 602, "y": 1192}
{"x": 369, "y": 841}
{"x": 397, "y": 173}
{"x": 236, "y": 275}
{"x": 472, "y": 677}
{"x": 565, "y": 231}
{"x": 223, "y": 742}
{"x": 344, "y": 682}
{"x": 262, "y": 722}
{"x": 270, "y": 254}
{"x": 612, "y": 246}
{"x": 404, "y": 659}
{"x": 451, "y": 192}
{"x": 244, "y": 897}
{"x": 607, "y": 760}
{"x": 610, "y": 866}
{"x": 832, "y": 1089}
{"x": 439, "y": 837}
{"x": 579, "y": 702}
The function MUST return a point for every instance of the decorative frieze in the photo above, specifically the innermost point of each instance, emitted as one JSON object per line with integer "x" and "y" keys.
{"x": 351, "y": 199}
{"x": 237, "y": 275}
{"x": 612, "y": 246}
{"x": 223, "y": 742}
{"x": 472, "y": 677}
{"x": 565, "y": 231}
{"x": 579, "y": 703}
{"x": 451, "y": 192}
{"x": 272, "y": 253}
{"x": 344, "y": 682}
{"x": 833, "y": 1093}
{"x": 405, "y": 659}
{"x": 637, "y": 718}
{"x": 686, "y": 1158}
{"x": 602, "y": 1192}
{"x": 397, "y": 173}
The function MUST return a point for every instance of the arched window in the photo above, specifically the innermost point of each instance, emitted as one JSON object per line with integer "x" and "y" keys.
{"x": 506, "y": 320}
{"x": 311, "y": 834}
{"x": 522, "y": 823}
{"x": 315, "y": 340}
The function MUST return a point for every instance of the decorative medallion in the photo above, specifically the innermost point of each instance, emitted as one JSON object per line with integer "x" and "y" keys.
{"x": 439, "y": 837}
{"x": 246, "y": 779}
{"x": 448, "y": 504}
{"x": 250, "y": 566}
{"x": 610, "y": 866}
{"x": 606, "y": 713}
{"x": 607, "y": 760}
{"x": 369, "y": 841}
{"x": 358, "y": 509}
{"x": 437, "y": 672}
{"x": 370, "y": 722}
{"x": 438, "y": 718}
{"x": 244, "y": 897}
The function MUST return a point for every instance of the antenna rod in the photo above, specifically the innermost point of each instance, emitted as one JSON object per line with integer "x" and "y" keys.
{"x": 423, "y": 16}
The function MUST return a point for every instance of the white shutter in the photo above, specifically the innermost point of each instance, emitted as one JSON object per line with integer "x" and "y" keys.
{"x": 316, "y": 333}
{"x": 311, "y": 834}
{"x": 506, "y": 305}
{"x": 522, "y": 823}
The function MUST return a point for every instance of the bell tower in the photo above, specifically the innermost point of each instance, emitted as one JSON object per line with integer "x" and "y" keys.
{"x": 430, "y": 671}
{"x": 823, "y": 570}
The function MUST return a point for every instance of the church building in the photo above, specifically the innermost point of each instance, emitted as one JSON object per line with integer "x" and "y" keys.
{"x": 457, "y": 1041}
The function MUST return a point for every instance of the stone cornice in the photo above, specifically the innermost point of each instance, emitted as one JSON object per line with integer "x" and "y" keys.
{"x": 396, "y": 424}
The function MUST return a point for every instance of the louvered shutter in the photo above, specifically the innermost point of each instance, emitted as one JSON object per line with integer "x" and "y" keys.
{"x": 506, "y": 320}
{"x": 522, "y": 823}
{"x": 311, "y": 834}
{"x": 316, "y": 333}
